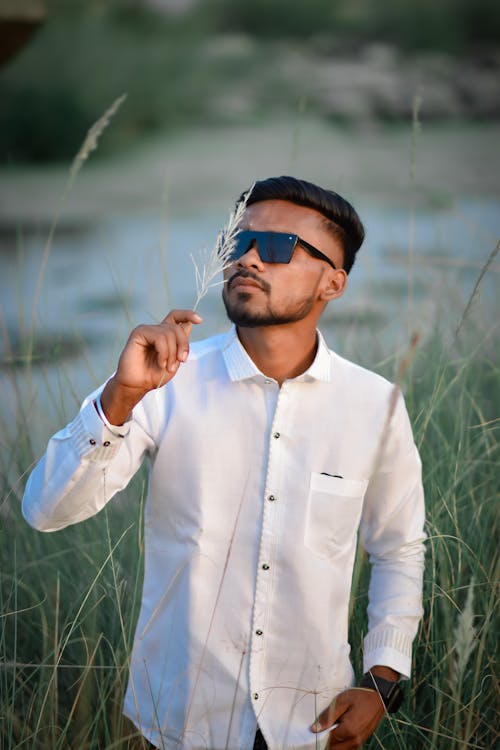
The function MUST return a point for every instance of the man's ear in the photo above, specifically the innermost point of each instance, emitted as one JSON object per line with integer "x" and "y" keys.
{"x": 335, "y": 281}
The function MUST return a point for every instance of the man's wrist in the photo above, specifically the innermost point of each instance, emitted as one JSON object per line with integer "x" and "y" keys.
{"x": 387, "y": 673}
{"x": 117, "y": 401}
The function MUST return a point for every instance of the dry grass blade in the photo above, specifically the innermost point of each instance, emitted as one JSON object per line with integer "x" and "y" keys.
{"x": 208, "y": 267}
{"x": 93, "y": 135}
{"x": 465, "y": 636}
{"x": 88, "y": 145}
{"x": 473, "y": 296}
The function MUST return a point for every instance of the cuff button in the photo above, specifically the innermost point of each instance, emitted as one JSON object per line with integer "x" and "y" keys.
{"x": 106, "y": 443}
{"x": 92, "y": 441}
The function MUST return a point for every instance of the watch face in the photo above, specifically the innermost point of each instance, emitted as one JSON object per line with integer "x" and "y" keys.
{"x": 391, "y": 693}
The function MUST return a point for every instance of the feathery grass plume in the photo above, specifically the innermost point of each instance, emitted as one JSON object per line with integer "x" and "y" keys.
{"x": 93, "y": 135}
{"x": 211, "y": 264}
{"x": 475, "y": 291}
{"x": 88, "y": 145}
{"x": 465, "y": 637}
{"x": 416, "y": 128}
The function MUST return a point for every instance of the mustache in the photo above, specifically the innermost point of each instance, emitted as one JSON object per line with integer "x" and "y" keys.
{"x": 264, "y": 285}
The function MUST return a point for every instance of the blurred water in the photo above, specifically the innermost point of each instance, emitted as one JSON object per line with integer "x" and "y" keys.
{"x": 101, "y": 281}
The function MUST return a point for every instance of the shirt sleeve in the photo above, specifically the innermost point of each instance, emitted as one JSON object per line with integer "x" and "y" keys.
{"x": 392, "y": 532}
{"x": 85, "y": 464}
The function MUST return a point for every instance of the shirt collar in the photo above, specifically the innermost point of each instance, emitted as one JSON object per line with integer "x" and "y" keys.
{"x": 241, "y": 367}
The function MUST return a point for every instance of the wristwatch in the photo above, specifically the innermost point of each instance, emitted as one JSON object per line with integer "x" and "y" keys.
{"x": 390, "y": 692}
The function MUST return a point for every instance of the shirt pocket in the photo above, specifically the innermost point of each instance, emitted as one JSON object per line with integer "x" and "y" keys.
{"x": 333, "y": 511}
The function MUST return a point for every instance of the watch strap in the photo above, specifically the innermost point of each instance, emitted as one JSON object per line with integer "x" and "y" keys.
{"x": 390, "y": 692}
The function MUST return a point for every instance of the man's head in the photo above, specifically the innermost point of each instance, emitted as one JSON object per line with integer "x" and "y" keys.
{"x": 340, "y": 217}
{"x": 292, "y": 256}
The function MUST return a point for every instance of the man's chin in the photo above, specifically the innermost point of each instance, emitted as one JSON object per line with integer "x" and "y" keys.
{"x": 251, "y": 319}
{"x": 245, "y": 317}
{"x": 247, "y": 320}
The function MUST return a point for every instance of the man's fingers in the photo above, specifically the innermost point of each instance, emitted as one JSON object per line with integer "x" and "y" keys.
{"x": 182, "y": 316}
{"x": 161, "y": 346}
{"x": 362, "y": 711}
{"x": 172, "y": 358}
{"x": 181, "y": 322}
{"x": 182, "y": 332}
{"x": 153, "y": 353}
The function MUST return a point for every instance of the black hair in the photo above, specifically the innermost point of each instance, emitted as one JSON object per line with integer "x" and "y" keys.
{"x": 342, "y": 220}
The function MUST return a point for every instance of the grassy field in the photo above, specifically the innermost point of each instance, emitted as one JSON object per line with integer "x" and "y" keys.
{"x": 69, "y": 600}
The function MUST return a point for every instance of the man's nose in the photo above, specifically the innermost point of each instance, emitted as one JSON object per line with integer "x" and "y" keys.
{"x": 250, "y": 259}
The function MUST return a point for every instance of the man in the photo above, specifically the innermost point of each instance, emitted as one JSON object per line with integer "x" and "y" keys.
{"x": 268, "y": 452}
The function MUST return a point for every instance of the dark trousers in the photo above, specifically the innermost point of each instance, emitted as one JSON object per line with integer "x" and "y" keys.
{"x": 260, "y": 743}
{"x": 133, "y": 740}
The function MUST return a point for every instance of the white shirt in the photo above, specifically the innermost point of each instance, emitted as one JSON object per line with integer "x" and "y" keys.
{"x": 255, "y": 499}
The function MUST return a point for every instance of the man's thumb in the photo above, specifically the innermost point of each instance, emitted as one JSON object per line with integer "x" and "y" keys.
{"x": 329, "y": 716}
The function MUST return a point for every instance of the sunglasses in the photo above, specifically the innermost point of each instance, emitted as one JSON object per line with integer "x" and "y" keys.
{"x": 273, "y": 247}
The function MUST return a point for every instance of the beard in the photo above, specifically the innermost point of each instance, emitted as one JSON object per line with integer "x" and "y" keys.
{"x": 241, "y": 313}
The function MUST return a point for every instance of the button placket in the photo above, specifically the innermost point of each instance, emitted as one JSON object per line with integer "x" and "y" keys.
{"x": 270, "y": 521}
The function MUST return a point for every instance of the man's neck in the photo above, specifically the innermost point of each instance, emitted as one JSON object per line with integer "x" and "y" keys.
{"x": 282, "y": 351}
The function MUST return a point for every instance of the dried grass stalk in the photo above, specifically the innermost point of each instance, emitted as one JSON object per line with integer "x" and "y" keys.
{"x": 465, "y": 637}
{"x": 93, "y": 135}
{"x": 209, "y": 265}
{"x": 88, "y": 145}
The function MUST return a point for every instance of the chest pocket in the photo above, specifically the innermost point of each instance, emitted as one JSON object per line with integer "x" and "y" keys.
{"x": 333, "y": 511}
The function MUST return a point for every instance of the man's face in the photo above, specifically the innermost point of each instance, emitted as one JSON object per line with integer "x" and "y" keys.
{"x": 262, "y": 294}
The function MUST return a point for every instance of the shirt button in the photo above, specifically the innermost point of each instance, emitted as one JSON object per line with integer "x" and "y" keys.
{"x": 267, "y": 381}
{"x": 106, "y": 443}
{"x": 271, "y": 498}
{"x": 276, "y": 435}
{"x": 265, "y": 566}
{"x": 258, "y": 632}
{"x": 256, "y": 696}
{"x": 92, "y": 441}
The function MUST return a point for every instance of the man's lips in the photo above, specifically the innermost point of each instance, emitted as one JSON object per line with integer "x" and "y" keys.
{"x": 241, "y": 280}
{"x": 246, "y": 283}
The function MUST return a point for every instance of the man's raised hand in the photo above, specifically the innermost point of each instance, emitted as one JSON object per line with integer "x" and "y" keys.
{"x": 151, "y": 357}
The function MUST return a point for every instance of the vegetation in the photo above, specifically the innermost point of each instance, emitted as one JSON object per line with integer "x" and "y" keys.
{"x": 215, "y": 60}
{"x": 69, "y": 601}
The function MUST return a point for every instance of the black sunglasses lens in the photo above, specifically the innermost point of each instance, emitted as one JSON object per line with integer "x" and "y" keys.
{"x": 242, "y": 244}
{"x": 273, "y": 247}
{"x": 279, "y": 247}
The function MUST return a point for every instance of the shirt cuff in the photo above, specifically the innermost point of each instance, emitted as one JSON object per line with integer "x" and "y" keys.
{"x": 92, "y": 438}
{"x": 389, "y": 648}
{"x": 118, "y": 430}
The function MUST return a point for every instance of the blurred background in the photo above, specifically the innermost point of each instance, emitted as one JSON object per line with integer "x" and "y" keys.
{"x": 394, "y": 105}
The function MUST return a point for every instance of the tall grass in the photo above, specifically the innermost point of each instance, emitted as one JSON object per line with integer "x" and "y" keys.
{"x": 69, "y": 601}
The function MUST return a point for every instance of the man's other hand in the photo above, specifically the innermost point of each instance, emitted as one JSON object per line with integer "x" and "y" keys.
{"x": 358, "y": 712}
{"x": 151, "y": 357}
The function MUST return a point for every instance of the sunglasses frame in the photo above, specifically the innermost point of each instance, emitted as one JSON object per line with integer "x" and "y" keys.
{"x": 253, "y": 237}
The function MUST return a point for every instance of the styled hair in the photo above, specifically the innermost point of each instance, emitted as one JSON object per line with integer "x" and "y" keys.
{"x": 341, "y": 218}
